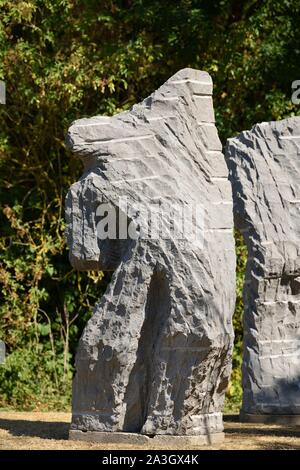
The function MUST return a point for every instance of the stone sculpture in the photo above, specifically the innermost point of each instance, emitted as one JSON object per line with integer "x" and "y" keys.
{"x": 264, "y": 165}
{"x": 155, "y": 357}
{"x": 2, "y": 352}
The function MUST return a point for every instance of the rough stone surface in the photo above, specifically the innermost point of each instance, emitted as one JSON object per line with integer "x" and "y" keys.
{"x": 155, "y": 357}
{"x": 264, "y": 166}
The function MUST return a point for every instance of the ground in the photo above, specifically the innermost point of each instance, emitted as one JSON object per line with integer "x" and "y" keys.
{"x": 32, "y": 430}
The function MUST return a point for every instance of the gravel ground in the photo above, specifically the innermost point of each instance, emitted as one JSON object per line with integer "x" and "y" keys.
{"x": 46, "y": 431}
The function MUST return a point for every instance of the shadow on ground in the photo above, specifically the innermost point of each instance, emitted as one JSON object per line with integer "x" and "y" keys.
{"x": 42, "y": 429}
{"x": 231, "y": 418}
{"x": 233, "y": 426}
{"x": 278, "y": 446}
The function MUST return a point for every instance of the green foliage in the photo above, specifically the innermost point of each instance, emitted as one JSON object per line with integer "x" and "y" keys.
{"x": 64, "y": 59}
{"x": 33, "y": 379}
{"x": 234, "y": 391}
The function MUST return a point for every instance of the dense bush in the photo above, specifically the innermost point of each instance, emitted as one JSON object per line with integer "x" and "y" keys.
{"x": 63, "y": 59}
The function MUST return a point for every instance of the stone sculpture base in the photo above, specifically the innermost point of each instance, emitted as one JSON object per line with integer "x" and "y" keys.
{"x": 270, "y": 419}
{"x": 142, "y": 439}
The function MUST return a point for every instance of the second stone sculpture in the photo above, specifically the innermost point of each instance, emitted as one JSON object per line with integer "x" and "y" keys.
{"x": 264, "y": 165}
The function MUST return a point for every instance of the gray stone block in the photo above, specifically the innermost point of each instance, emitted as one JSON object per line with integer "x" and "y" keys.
{"x": 2, "y": 352}
{"x": 264, "y": 166}
{"x": 155, "y": 357}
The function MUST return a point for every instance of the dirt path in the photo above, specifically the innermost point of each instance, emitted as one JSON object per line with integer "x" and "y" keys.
{"x": 25, "y": 430}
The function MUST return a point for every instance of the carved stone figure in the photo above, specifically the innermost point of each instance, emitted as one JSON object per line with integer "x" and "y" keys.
{"x": 264, "y": 168}
{"x": 155, "y": 357}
